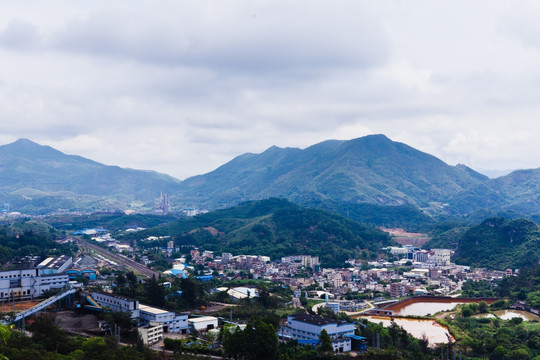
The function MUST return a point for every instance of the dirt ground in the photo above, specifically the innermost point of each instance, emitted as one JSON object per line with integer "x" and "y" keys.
{"x": 71, "y": 322}
{"x": 18, "y": 306}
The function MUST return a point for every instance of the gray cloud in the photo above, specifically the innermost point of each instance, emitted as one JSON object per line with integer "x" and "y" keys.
{"x": 182, "y": 87}
{"x": 20, "y": 35}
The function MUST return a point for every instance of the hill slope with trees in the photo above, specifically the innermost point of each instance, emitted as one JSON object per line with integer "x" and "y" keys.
{"x": 276, "y": 228}
{"x": 500, "y": 243}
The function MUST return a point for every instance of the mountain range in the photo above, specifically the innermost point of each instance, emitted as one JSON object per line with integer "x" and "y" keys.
{"x": 341, "y": 175}
{"x": 39, "y": 179}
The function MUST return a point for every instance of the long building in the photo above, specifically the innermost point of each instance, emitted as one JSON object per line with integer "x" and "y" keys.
{"x": 307, "y": 328}
{"x": 28, "y": 284}
{"x": 171, "y": 321}
{"x": 117, "y": 303}
{"x": 146, "y": 315}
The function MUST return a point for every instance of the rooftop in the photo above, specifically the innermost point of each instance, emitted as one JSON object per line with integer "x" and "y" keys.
{"x": 315, "y": 319}
{"x": 152, "y": 310}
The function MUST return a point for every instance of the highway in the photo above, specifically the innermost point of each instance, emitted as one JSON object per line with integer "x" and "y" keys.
{"x": 119, "y": 259}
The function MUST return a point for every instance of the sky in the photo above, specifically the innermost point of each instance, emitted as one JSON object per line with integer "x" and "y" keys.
{"x": 182, "y": 87}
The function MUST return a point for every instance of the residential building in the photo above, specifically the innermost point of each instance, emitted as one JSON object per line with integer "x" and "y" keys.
{"x": 442, "y": 257}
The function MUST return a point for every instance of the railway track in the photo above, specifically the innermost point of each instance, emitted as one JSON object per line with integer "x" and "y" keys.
{"x": 121, "y": 260}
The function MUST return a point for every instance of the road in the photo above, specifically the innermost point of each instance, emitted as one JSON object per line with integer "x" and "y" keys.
{"x": 121, "y": 260}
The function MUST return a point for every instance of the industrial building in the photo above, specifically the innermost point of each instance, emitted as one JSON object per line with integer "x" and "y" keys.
{"x": 117, "y": 303}
{"x": 151, "y": 333}
{"x": 203, "y": 323}
{"x": 25, "y": 284}
{"x": 171, "y": 321}
{"x": 306, "y": 328}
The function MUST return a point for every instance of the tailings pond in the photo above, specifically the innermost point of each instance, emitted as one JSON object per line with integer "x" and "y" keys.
{"x": 419, "y": 328}
{"x": 426, "y": 305}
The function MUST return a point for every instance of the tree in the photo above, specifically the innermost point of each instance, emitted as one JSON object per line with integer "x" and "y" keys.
{"x": 5, "y": 334}
{"x": 325, "y": 342}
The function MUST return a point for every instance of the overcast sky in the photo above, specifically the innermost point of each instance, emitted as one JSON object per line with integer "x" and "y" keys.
{"x": 182, "y": 87}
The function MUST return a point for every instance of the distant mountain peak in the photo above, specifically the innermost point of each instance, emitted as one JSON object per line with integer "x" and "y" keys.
{"x": 372, "y": 169}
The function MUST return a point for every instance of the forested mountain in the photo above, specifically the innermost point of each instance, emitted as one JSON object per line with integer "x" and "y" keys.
{"x": 39, "y": 179}
{"x": 276, "y": 228}
{"x": 518, "y": 191}
{"x": 500, "y": 243}
{"x": 371, "y": 179}
{"x": 372, "y": 169}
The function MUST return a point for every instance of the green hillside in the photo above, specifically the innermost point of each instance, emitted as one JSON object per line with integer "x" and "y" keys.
{"x": 372, "y": 169}
{"x": 276, "y": 228}
{"x": 500, "y": 243}
{"x": 39, "y": 179}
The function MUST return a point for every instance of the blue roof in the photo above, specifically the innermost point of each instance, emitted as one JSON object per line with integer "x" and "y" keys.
{"x": 308, "y": 342}
{"x": 205, "y": 277}
{"x": 355, "y": 337}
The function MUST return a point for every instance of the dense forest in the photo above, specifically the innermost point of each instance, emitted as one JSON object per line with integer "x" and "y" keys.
{"x": 277, "y": 228}
{"x": 26, "y": 238}
{"x": 500, "y": 243}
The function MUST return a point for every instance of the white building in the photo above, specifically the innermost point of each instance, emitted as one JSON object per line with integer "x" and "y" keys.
{"x": 117, "y": 303}
{"x": 55, "y": 265}
{"x": 304, "y": 260}
{"x": 151, "y": 333}
{"x": 308, "y": 327}
{"x": 442, "y": 257}
{"x": 171, "y": 322}
{"x": 28, "y": 283}
{"x": 203, "y": 323}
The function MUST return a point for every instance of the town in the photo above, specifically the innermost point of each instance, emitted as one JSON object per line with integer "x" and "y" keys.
{"x": 335, "y": 300}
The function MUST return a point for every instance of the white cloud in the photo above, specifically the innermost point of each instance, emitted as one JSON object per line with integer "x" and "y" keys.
{"x": 182, "y": 87}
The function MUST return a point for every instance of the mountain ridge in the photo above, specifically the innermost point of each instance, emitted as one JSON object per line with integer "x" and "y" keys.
{"x": 357, "y": 170}
{"x": 333, "y": 174}
{"x": 38, "y": 178}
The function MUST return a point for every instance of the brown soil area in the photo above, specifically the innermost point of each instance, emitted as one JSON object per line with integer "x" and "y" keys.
{"x": 19, "y": 306}
{"x": 406, "y": 238}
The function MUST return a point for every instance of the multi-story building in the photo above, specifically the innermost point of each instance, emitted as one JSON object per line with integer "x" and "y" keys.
{"x": 398, "y": 290}
{"x": 151, "y": 333}
{"x": 28, "y": 283}
{"x": 304, "y": 260}
{"x": 421, "y": 256}
{"x": 442, "y": 257}
{"x": 308, "y": 327}
{"x": 171, "y": 321}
